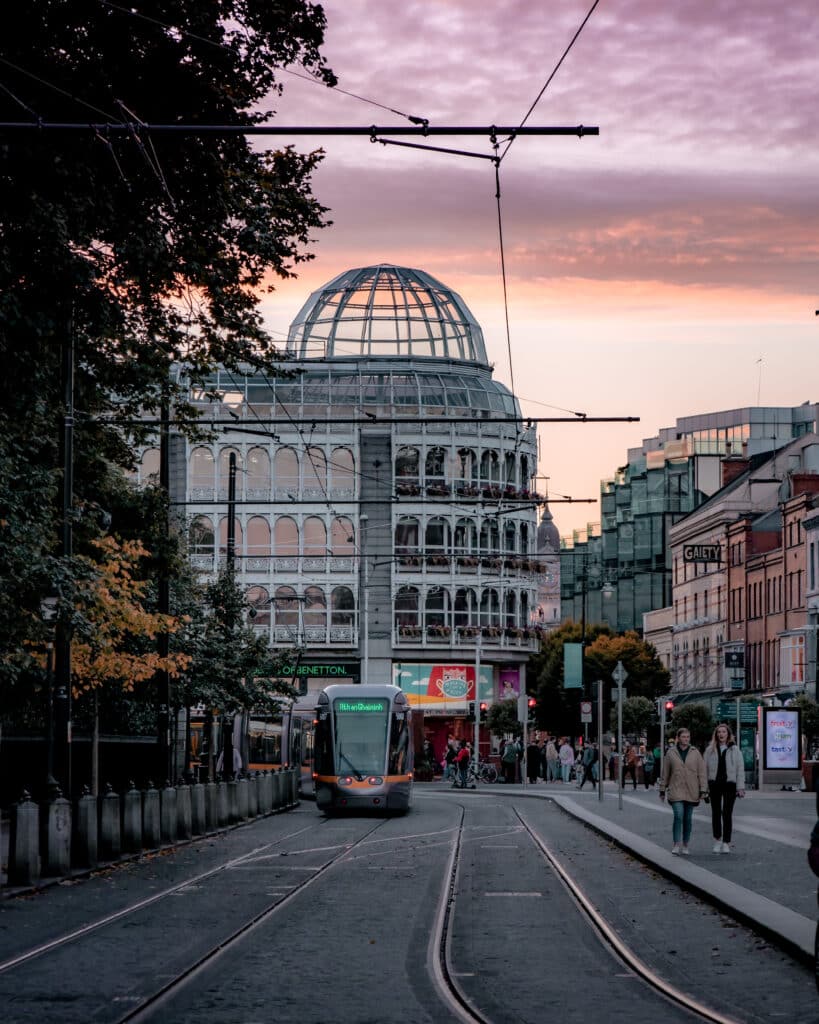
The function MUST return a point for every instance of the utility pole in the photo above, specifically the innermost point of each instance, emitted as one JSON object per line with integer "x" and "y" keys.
{"x": 227, "y": 720}
{"x": 164, "y": 605}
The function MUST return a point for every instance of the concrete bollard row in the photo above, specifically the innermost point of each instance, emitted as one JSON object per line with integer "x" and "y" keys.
{"x": 48, "y": 840}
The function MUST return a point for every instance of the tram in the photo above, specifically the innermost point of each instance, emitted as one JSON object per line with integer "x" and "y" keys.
{"x": 361, "y": 747}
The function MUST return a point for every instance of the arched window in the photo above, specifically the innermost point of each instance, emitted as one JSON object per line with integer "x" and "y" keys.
{"x": 466, "y": 609}
{"x": 315, "y": 472}
{"x": 286, "y": 609}
{"x": 342, "y": 471}
{"x": 465, "y": 537}
{"x": 406, "y": 464}
{"x": 490, "y": 608}
{"x": 224, "y": 472}
{"x": 259, "y": 601}
{"x": 435, "y": 469}
{"x": 406, "y": 536}
{"x": 525, "y": 472}
{"x": 524, "y": 609}
{"x": 510, "y": 470}
{"x": 223, "y": 536}
{"x": 315, "y": 608}
{"x": 510, "y": 610}
{"x": 437, "y": 608}
{"x": 524, "y": 539}
{"x": 315, "y": 537}
{"x": 510, "y": 538}
{"x": 342, "y": 607}
{"x": 489, "y": 537}
{"x": 200, "y": 537}
{"x": 149, "y": 467}
{"x": 286, "y": 473}
{"x": 407, "y": 470}
{"x": 466, "y": 471}
{"x": 407, "y": 607}
{"x": 436, "y": 536}
{"x": 490, "y": 469}
{"x": 203, "y": 476}
{"x": 258, "y": 473}
{"x": 342, "y": 537}
{"x": 286, "y": 537}
{"x": 258, "y": 537}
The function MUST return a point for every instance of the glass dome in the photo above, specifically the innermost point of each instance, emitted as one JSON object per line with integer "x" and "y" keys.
{"x": 386, "y": 311}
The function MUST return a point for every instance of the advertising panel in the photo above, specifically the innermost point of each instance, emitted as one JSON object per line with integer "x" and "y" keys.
{"x": 509, "y": 683}
{"x": 781, "y": 739}
{"x": 442, "y": 689}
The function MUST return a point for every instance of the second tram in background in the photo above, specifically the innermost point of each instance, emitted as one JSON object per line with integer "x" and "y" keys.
{"x": 355, "y": 747}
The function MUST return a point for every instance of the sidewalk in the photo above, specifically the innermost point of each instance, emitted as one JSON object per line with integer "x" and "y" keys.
{"x": 765, "y": 880}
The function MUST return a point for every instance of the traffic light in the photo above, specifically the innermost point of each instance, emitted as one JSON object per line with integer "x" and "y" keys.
{"x": 669, "y": 706}
{"x": 483, "y": 709}
{"x": 531, "y": 704}
{"x": 472, "y": 709}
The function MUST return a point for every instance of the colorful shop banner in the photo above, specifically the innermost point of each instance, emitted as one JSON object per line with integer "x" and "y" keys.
{"x": 509, "y": 683}
{"x": 442, "y": 687}
{"x": 781, "y": 747}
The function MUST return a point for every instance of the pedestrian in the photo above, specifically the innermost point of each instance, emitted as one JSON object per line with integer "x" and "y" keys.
{"x": 509, "y": 761}
{"x": 648, "y": 767}
{"x": 552, "y": 761}
{"x": 236, "y": 760}
{"x": 725, "y": 771}
{"x": 589, "y": 761}
{"x": 613, "y": 757}
{"x": 462, "y": 763}
{"x": 532, "y": 761}
{"x": 566, "y": 756}
{"x": 685, "y": 782}
{"x": 630, "y": 762}
{"x": 449, "y": 759}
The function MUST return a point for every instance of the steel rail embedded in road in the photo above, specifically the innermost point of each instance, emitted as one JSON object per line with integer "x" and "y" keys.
{"x": 612, "y": 941}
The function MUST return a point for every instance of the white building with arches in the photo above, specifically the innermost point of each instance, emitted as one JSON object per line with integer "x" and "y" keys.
{"x": 385, "y": 518}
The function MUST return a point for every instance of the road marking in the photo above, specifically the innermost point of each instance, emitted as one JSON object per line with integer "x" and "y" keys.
{"x": 535, "y": 894}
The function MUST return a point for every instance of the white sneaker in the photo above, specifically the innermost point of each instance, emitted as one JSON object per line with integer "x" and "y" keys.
{"x": 717, "y": 848}
{"x": 675, "y": 849}
{"x": 685, "y": 851}
{"x": 726, "y": 848}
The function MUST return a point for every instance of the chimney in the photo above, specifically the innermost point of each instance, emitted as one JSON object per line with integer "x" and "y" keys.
{"x": 733, "y": 466}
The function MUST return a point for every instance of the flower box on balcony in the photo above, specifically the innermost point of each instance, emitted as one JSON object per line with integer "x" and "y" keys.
{"x": 437, "y": 632}
{"x": 407, "y": 489}
{"x": 410, "y": 632}
{"x": 441, "y": 560}
{"x": 468, "y": 632}
{"x": 467, "y": 491}
{"x": 491, "y": 631}
{"x": 438, "y": 490}
{"x": 409, "y": 561}
{"x": 491, "y": 563}
{"x": 468, "y": 561}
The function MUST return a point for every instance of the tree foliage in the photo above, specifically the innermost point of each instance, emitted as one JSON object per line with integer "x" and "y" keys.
{"x": 697, "y": 718}
{"x": 810, "y": 718}
{"x": 502, "y": 718}
{"x": 638, "y": 714}
{"x": 146, "y": 250}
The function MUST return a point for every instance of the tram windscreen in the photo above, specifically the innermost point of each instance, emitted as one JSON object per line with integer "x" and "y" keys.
{"x": 360, "y": 735}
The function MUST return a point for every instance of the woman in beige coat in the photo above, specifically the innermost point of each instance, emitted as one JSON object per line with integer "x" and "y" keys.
{"x": 684, "y": 782}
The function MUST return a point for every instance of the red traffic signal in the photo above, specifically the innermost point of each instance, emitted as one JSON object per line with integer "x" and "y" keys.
{"x": 532, "y": 702}
{"x": 484, "y": 705}
{"x": 669, "y": 705}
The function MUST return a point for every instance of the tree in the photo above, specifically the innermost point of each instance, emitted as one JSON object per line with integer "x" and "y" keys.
{"x": 638, "y": 713}
{"x": 647, "y": 676}
{"x": 502, "y": 718}
{"x": 810, "y": 719}
{"x": 696, "y": 718}
{"x": 146, "y": 251}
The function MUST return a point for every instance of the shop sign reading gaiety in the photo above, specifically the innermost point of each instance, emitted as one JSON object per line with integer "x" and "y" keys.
{"x": 701, "y": 553}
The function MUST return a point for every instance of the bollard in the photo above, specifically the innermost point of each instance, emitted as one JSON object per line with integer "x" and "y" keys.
{"x": 55, "y": 835}
{"x": 242, "y": 799}
{"x": 184, "y": 826}
{"x": 278, "y": 789}
{"x": 86, "y": 828}
{"x": 222, "y": 804}
{"x": 110, "y": 842}
{"x": 167, "y": 814}
{"x": 267, "y": 789}
{"x": 211, "y": 806}
{"x": 24, "y": 842}
{"x": 232, "y": 802}
{"x": 151, "y": 831}
{"x": 132, "y": 820}
{"x": 253, "y": 794}
{"x": 293, "y": 789}
{"x": 198, "y": 809}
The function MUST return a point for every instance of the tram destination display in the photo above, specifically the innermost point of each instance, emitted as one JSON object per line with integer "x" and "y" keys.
{"x": 343, "y": 707}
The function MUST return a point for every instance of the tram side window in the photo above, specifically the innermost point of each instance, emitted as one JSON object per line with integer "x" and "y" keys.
{"x": 324, "y": 747}
{"x": 399, "y": 745}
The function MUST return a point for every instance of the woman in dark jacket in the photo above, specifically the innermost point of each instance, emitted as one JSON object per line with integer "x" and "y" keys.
{"x": 726, "y": 781}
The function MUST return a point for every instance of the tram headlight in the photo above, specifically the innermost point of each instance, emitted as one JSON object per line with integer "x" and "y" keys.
{"x": 375, "y": 780}
{"x": 345, "y": 780}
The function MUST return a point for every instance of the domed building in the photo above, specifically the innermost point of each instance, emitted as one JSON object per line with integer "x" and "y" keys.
{"x": 385, "y": 518}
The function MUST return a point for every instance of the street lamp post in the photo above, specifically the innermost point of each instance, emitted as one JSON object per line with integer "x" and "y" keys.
{"x": 365, "y": 604}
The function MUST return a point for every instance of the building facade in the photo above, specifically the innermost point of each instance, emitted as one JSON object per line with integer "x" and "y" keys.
{"x": 382, "y": 498}
{"x": 621, "y": 567}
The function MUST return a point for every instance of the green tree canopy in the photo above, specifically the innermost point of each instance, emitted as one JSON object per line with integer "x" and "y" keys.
{"x": 697, "y": 718}
{"x": 638, "y": 714}
{"x": 502, "y": 718}
{"x": 147, "y": 251}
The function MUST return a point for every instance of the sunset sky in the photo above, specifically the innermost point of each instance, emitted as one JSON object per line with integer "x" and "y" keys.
{"x": 649, "y": 269}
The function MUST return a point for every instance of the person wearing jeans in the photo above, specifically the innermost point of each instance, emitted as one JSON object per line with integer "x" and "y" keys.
{"x": 684, "y": 782}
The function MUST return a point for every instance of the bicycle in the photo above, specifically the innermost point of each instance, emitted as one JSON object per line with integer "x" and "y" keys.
{"x": 482, "y": 772}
